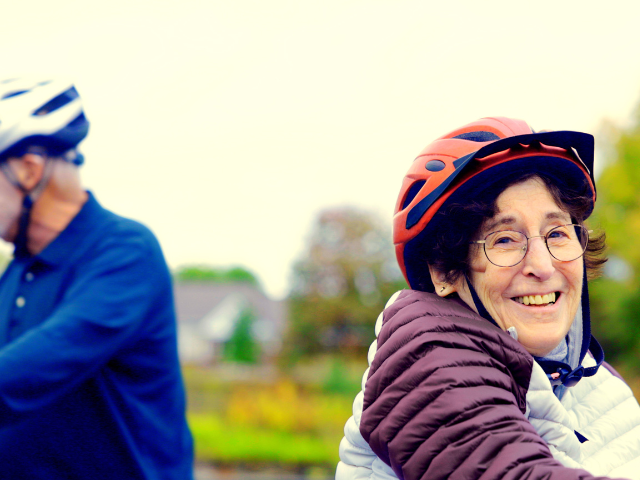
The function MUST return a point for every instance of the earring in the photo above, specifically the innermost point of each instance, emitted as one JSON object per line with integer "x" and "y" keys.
{"x": 442, "y": 289}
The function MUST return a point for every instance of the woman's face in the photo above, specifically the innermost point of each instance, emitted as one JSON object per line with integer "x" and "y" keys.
{"x": 527, "y": 207}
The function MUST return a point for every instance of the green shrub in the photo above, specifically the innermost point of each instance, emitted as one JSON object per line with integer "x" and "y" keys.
{"x": 219, "y": 441}
{"x": 252, "y": 423}
{"x": 242, "y": 347}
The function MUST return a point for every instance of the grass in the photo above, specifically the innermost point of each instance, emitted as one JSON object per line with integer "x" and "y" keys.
{"x": 294, "y": 421}
{"x": 220, "y": 441}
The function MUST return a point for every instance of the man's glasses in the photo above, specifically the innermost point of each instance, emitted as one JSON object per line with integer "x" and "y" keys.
{"x": 507, "y": 248}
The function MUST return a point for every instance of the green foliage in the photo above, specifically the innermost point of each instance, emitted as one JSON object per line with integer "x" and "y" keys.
{"x": 4, "y": 261}
{"x": 253, "y": 422}
{"x": 615, "y": 303}
{"x": 204, "y": 273}
{"x": 218, "y": 441}
{"x": 341, "y": 284}
{"x": 618, "y": 208}
{"x": 242, "y": 347}
{"x": 340, "y": 381}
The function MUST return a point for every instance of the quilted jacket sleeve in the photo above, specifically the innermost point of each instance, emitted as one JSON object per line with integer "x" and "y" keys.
{"x": 357, "y": 460}
{"x": 446, "y": 396}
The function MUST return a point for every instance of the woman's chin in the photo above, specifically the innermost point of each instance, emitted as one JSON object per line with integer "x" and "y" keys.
{"x": 540, "y": 329}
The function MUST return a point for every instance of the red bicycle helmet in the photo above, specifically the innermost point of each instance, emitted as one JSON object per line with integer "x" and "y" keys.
{"x": 457, "y": 165}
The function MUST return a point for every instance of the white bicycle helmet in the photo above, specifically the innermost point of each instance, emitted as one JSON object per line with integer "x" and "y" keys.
{"x": 41, "y": 112}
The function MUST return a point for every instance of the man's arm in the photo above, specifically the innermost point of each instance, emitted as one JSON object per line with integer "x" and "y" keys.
{"x": 103, "y": 310}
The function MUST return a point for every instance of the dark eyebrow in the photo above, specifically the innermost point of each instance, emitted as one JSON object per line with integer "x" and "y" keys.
{"x": 510, "y": 220}
{"x": 557, "y": 216}
{"x": 488, "y": 228}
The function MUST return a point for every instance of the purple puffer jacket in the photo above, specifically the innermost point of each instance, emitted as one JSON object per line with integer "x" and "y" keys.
{"x": 446, "y": 397}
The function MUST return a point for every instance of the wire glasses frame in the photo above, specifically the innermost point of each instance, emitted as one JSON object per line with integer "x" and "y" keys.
{"x": 507, "y": 248}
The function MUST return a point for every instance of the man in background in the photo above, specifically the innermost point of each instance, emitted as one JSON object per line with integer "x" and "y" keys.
{"x": 90, "y": 384}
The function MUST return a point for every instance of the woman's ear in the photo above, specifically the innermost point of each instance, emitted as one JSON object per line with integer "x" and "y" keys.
{"x": 442, "y": 288}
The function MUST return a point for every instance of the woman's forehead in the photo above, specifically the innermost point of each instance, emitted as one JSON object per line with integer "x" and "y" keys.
{"x": 511, "y": 219}
{"x": 525, "y": 202}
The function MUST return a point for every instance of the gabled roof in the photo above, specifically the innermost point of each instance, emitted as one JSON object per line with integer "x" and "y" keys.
{"x": 195, "y": 300}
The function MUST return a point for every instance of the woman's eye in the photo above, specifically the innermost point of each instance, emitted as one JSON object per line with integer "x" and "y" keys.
{"x": 503, "y": 240}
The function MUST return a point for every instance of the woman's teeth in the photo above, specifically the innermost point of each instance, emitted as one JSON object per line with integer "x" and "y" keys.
{"x": 537, "y": 299}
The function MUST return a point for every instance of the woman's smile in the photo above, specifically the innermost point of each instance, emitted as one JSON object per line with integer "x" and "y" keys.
{"x": 538, "y": 312}
{"x": 537, "y": 299}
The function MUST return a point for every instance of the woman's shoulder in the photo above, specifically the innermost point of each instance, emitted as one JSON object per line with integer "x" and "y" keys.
{"x": 407, "y": 306}
{"x": 417, "y": 321}
{"x": 414, "y": 302}
{"x": 422, "y": 337}
{"x": 439, "y": 370}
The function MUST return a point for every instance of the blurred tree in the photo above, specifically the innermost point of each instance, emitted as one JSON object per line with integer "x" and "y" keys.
{"x": 242, "y": 347}
{"x": 4, "y": 261}
{"x": 615, "y": 299}
{"x": 341, "y": 283}
{"x": 206, "y": 273}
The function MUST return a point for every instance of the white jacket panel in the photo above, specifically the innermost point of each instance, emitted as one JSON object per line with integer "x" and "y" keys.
{"x": 602, "y": 409}
{"x": 357, "y": 460}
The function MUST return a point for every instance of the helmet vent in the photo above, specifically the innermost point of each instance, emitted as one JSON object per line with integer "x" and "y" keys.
{"x": 79, "y": 120}
{"x": 57, "y": 102}
{"x": 413, "y": 191}
{"x": 435, "y": 165}
{"x": 481, "y": 136}
{"x": 13, "y": 94}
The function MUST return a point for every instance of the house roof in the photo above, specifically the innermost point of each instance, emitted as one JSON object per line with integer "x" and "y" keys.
{"x": 195, "y": 300}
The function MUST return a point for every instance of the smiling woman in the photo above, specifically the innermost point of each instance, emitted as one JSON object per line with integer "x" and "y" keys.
{"x": 487, "y": 368}
{"x": 532, "y": 274}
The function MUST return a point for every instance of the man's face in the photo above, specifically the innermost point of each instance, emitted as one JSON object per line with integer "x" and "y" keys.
{"x": 10, "y": 207}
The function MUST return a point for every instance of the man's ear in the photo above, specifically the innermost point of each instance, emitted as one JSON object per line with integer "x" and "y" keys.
{"x": 442, "y": 288}
{"x": 28, "y": 169}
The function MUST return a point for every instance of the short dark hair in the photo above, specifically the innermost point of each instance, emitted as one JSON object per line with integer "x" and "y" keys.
{"x": 447, "y": 248}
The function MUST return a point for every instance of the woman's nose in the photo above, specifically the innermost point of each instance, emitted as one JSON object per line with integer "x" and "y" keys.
{"x": 537, "y": 260}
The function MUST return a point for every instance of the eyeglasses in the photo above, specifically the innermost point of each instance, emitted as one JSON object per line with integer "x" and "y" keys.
{"x": 507, "y": 248}
{"x": 21, "y": 150}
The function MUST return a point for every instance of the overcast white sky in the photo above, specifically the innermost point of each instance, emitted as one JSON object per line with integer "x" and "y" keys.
{"x": 225, "y": 126}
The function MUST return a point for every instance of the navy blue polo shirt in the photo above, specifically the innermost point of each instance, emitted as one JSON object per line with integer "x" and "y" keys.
{"x": 90, "y": 384}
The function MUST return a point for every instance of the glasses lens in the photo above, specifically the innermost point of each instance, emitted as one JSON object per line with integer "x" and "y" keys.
{"x": 567, "y": 242}
{"x": 505, "y": 248}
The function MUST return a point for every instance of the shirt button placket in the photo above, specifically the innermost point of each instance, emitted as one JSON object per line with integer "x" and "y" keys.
{"x": 21, "y": 301}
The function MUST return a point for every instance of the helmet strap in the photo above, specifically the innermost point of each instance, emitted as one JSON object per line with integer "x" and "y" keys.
{"x": 20, "y": 242}
{"x": 478, "y": 303}
{"x": 560, "y": 373}
{"x": 30, "y": 197}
